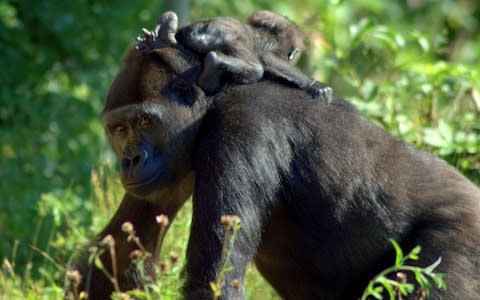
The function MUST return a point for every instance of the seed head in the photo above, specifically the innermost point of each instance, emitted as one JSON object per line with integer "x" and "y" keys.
{"x": 108, "y": 241}
{"x": 127, "y": 227}
{"x": 236, "y": 284}
{"x": 229, "y": 220}
{"x": 174, "y": 257}
{"x": 74, "y": 277}
{"x": 401, "y": 277}
{"x": 164, "y": 267}
{"x": 8, "y": 265}
{"x": 421, "y": 294}
{"x": 136, "y": 254}
{"x": 163, "y": 220}
{"x": 124, "y": 296}
{"x": 92, "y": 249}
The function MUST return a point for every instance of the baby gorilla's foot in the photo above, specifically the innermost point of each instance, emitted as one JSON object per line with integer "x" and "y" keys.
{"x": 209, "y": 80}
{"x": 320, "y": 91}
{"x": 167, "y": 28}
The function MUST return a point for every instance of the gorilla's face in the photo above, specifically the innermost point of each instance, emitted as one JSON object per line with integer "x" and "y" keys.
{"x": 151, "y": 119}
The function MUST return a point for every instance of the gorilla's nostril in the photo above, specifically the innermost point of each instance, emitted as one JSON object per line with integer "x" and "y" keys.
{"x": 125, "y": 164}
{"x": 136, "y": 160}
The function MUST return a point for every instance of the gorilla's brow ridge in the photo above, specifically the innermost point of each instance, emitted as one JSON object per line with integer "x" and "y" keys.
{"x": 131, "y": 111}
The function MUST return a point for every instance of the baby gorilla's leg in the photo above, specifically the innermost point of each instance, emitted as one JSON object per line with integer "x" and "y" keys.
{"x": 210, "y": 79}
{"x": 217, "y": 66}
{"x": 281, "y": 69}
{"x": 268, "y": 20}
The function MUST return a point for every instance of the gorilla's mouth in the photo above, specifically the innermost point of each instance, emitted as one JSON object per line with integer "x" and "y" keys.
{"x": 145, "y": 183}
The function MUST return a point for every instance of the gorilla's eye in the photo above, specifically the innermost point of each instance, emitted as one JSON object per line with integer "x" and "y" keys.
{"x": 144, "y": 121}
{"x": 119, "y": 129}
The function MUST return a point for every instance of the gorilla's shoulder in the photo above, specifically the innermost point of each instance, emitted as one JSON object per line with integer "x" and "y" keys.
{"x": 271, "y": 97}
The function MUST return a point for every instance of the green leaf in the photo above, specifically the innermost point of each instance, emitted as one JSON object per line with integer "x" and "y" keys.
{"x": 446, "y": 131}
{"x": 440, "y": 283}
{"x": 421, "y": 40}
{"x": 388, "y": 286}
{"x": 406, "y": 288}
{"x": 424, "y": 44}
{"x": 137, "y": 293}
{"x": 414, "y": 253}
{"x": 357, "y": 30}
{"x": 433, "y": 138}
{"x": 98, "y": 263}
{"x": 400, "y": 40}
{"x": 386, "y": 39}
{"x": 432, "y": 267}
{"x": 377, "y": 292}
{"x": 398, "y": 253}
{"x": 421, "y": 279}
{"x": 215, "y": 289}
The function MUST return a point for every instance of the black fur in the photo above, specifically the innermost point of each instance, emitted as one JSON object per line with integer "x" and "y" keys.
{"x": 319, "y": 189}
{"x": 335, "y": 187}
{"x": 242, "y": 53}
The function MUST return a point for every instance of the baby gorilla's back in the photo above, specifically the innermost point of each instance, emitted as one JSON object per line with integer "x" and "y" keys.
{"x": 224, "y": 34}
{"x": 242, "y": 53}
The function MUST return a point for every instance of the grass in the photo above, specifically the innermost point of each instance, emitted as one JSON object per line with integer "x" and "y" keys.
{"x": 66, "y": 236}
{"x": 105, "y": 197}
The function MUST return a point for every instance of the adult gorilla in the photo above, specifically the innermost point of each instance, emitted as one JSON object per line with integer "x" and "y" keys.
{"x": 319, "y": 189}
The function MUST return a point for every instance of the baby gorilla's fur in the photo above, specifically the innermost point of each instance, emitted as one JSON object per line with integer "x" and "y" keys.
{"x": 243, "y": 53}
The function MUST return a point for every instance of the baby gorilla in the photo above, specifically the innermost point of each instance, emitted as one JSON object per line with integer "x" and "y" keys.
{"x": 243, "y": 53}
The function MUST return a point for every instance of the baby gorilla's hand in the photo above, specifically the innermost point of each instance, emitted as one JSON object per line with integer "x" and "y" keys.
{"x": 320, "y": 91}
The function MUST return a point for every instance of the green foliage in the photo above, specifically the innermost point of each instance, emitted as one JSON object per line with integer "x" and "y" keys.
{"x": 58, "y": 59}
{"x": 411, "y": 66}
{"x": 400, "y": 286}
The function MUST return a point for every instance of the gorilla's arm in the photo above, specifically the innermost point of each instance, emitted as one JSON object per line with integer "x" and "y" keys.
{"x": 142, "y": 214}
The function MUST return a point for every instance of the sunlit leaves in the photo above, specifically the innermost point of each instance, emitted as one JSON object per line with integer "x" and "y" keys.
{"x": 397, "y": 280}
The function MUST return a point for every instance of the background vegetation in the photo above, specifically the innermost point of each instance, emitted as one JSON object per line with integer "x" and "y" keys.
{"x": 411, "y": 66}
